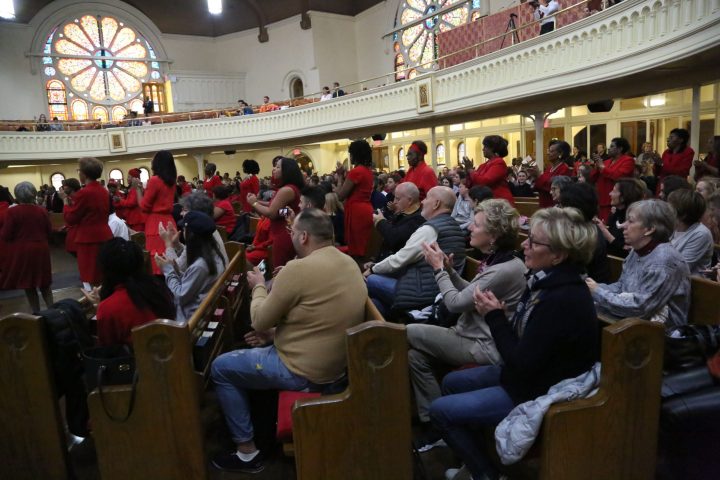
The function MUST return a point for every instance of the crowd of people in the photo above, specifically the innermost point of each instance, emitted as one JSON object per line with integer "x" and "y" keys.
{"x": 527, "y": 320}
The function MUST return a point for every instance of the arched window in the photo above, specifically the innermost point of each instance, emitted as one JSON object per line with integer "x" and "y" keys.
{"x": 461, "y": 151}
{"x": 136, "y": 106}
{"x": 57, "y": 100}
{"x": 401, "y": 157}
{"x": 100, "y": 59}
{"x": 118, "y": 113}
{"x": 117, "y": 175}
{"x": 100, "y": 113}
{"x": 440, "y": 154}
{"x": 79, "y": 109}
{"x": 144, "y": 175}
{"x": 399, "y": 66}
{"x": 418, "y": 41}
{"x": 56, "y": 180}
{"x": 296, "y": 88}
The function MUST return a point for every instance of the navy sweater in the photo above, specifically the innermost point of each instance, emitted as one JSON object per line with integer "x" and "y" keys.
{"x": 561, "y": 338}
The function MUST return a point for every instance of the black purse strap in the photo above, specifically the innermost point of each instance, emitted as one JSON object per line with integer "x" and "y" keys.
{"x": 133, "y": 392}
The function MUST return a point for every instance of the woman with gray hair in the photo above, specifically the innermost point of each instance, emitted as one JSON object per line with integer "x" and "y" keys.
{"x": 493, "y": 231}
{"x": 655, "y": 281}
{"x": 556, "y": 185}
{"x": 26, "y": 260}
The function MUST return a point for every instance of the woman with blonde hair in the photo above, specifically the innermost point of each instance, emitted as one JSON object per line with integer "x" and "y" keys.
{"x": 553, "y": 335}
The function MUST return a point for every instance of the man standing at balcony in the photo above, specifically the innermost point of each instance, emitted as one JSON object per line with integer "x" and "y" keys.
{"x": 148, "y": 106}
{"x": 420, "y": 173}
{"x": 545, "y": 12}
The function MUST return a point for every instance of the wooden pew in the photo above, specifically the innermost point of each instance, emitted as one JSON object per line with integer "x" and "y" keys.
{"x": 32, "y": 444}
{"x": 471, "y": 268}
{"x": 163, "y": 436}
{"x": 527, "y": 208}
{"x": 252, "y": 225}
{"x": 139, "y": 238}
{"x": 373, "y": 246}
{"x": 613, "y": 434}
{"x": 363, "y": 432}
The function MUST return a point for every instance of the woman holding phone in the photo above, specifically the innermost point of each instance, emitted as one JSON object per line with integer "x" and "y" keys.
{"x": 287, "y": 175}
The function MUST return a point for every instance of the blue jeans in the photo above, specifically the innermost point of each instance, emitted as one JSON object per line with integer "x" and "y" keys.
{"x": 251, "y": 369}
{"x": 381, "y": 290}
{"x": 471, "y": 399}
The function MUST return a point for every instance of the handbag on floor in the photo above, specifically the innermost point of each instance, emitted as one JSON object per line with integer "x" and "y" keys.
{"x": 688, "y": 346}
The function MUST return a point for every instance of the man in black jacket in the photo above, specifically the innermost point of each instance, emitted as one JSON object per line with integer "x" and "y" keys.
{"x": 397, "y": 229}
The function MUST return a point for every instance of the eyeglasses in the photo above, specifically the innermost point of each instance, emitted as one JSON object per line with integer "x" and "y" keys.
{"x": 532, "y": 242}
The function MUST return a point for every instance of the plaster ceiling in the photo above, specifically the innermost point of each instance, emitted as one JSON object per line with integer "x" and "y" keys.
{"x": 191, "y": 17}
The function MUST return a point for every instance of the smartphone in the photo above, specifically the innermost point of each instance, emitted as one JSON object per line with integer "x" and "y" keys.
{"x": 261, "y": 267}
{"x": 284, "y": 211}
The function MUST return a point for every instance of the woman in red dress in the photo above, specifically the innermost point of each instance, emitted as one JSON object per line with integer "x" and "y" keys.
{"x": 251, "y": 184}
{"x": 223, "y": 212}
{"x": 24, "y": 238}
{"x": 493, "y": 173}
{"x": 129, "y": 297}
{"x": 69, "y": 187}
{"x": 607, "y": 172}
{"x": 157, "y": 202}
{"x": 289, "y": 178}
{"x": 355, "y": 188}
{"x": 132, "y": 214}
{"x": 557, "y": 153}
{"x": 88, "y": 210}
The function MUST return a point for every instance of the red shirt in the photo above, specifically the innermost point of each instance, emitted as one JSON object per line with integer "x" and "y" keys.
{"x": 211, "y": 183}
{"x": 185, "y": 189}
{"x": 249, "y": 185}
{"x": 158, "y": 197}
{"x": 117, "y": 315}
{"x": 89, "y": 214}
{"x": 364, "y": 182}
{"x": 676, "y": 163}
{"x": 422, "y": 176}
{"x": 493, "y": 174}
{"x": 544, "y": 183}
{"x": 605, "y": 180}
{"x": 227, "y": 219}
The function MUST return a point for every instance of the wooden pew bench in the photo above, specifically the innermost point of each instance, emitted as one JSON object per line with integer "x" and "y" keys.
{"x": 163, "y": 436}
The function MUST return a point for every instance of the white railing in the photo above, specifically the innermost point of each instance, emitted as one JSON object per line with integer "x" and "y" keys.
{"x": 630, "y": 38}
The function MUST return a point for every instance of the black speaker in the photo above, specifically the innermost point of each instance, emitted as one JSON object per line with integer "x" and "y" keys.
{"x": 379, "y": 137}
{"x": 602, "y": 106}
{"x": 229, "y": 152}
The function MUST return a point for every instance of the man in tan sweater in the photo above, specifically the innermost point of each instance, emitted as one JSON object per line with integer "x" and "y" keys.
{"x": 314, "y": 299}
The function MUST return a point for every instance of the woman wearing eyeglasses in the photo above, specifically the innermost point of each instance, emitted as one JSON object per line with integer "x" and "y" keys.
{"x": 553, "y": 335}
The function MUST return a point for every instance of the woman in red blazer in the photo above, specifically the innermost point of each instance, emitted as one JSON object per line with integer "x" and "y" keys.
{"x": 558, "y": 152}
{"x": 607, "y": 172}
{"x": 88, "y": 210}
{"x": 132, "y": 214}
{"x": 493, "y": 173}
{"x": 157, "y": 202}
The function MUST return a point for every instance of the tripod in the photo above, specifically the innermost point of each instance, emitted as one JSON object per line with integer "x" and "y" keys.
{"x": 511, "y": 28}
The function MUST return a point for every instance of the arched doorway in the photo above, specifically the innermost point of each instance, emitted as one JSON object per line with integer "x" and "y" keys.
{"x": 296, "y": 88}
{"x": 304, "y": 161}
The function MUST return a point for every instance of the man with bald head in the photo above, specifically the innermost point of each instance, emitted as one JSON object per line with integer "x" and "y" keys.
{"x": 404, "y": 281}
{"x": 396, "y": 230}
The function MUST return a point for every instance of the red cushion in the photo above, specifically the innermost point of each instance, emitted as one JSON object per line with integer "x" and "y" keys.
{"x": 467, "y": 366}
{"x": 286, "y": 400}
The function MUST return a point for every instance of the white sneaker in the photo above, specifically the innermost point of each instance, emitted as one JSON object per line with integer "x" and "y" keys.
{"x": 461, "y": 473}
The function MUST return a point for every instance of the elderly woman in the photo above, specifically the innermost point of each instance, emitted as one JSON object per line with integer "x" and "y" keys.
{"x": 26, "y": 256}
{"x": 691, "y": 238}
{"x": 655, "y": 281}
{"x": 625, "y": 192}
{"x": 553, "y": 335}
{"x": 88, "y": 210}
{"x": 493, "y": 231}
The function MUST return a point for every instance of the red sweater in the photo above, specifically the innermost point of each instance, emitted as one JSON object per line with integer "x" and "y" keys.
{"x": 544, "y": 183}
{"x": 676, "y": 163}
{"x": 117, "y": 315}
{"x": 423, "y": 177}
{"x": 493, "y": 174}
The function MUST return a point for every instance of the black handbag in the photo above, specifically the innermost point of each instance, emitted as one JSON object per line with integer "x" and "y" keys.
{"x": 688, "y": 346}
{"x": 110, "y": 365}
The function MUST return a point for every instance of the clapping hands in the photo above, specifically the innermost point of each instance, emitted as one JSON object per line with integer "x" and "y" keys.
{"x": 486, "y": 301}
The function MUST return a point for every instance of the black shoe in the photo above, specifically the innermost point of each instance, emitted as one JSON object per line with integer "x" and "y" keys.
{"x": 232, "y": 463}
{"x": 428, "y": 439}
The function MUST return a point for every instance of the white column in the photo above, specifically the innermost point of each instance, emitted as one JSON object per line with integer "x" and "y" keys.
{"x": 199, "y": 157}
{"x": 539, "y": 118}
{"x": 695, "y": 119}
{"x": 433, "y": 149}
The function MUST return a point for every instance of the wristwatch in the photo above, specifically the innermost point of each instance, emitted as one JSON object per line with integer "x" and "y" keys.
{"x": 438, "y": 270}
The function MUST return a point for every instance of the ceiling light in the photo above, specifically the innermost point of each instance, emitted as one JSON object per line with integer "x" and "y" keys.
{"x": 7, "y": 9}
{"x": 215, "y": 7}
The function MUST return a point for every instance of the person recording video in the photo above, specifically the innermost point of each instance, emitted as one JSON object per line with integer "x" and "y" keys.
{"x": 545, "y": 12}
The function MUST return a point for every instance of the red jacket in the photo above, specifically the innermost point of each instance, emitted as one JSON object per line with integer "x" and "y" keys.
{"x": 605, "y": 180}
{"x": 423, "y": 177}
{"x": 493, "y": 174}
{"x": 158, "y": 197}
{"x": 544, "y": 183}
{"x": 89, "y": 214}
{"x": 117, "y": 315}
{"x": 675, "y": 163}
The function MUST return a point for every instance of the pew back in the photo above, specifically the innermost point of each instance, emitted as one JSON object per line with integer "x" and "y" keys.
{"x": 363, "y": 432}
{"x": 612, "y": 434}
{"x": 32, "y": 444}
